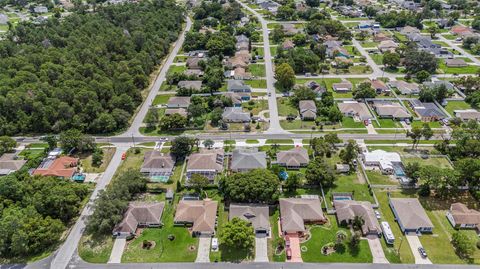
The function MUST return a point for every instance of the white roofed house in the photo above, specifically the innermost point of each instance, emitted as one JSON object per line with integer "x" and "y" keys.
{"x": 385, "y": 161}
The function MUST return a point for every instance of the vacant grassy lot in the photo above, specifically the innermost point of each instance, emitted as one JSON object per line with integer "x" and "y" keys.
{"x": 297, "y": 124}
{"x": 161, "y": 99}
{"x": 369, "y": 44}
{"x": 176, "y": 69}
{"x": 456, "y": 105}
{"x": 255, "y": 106}
{"x": 469, "y": 69}
{"x": 262, "y": 84}
{"x": 285, "y": 108}
{"x": 182, "y": 249}
{"x": 434, "y": 161}
{"x": 87, "y": 162}
{"x": 432, "y": 124}
{"x": 376, "y": 178}
{"x": 95, "y": 249}
{"x": 257, "y": 70}
{"x": 324, "y": 234}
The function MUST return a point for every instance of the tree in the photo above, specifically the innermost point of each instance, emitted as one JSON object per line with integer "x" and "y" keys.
{"x": 216, "y": 116}
{"x": 208, "y": 143}
{"x": 7, "y": 144}
{"x": 422, "y": 76}
{"x": 302, "y": 93}
{"x": 444, "y": 181}
{"x": 358, "y": 222}
{"x": 412, "y": 171}
{"x": 97, "y": 157}
{"x": 173, "y": 122}
{"x": 340, "y": 236}
{"x": 355, "y": 239}
{"x": 237, "y": 233}
{"x": 427, "y": 132}
{"x": 182, "y": 146}
{"x": 391, "y": 59}
{"x": 463, "y": 245}
{"x": 320, "y": 173}
{"x": 198, "y": 182}
{"x": 151, "y": 119}
{"x": 433, "y": 31}
{"x": 74, "y": 139}
{"x": 416, "y": 61}
{"x": 415, "y": 134}
{"x": 364, "y": 90}
{"x": 51, "y": 140}
{"x": 313, "y": 3}
{"x": 259, "y": 185}
{"x": 285, "y": 77}
{"x": 350, "y": 152}
{"x": 293, "y": 182}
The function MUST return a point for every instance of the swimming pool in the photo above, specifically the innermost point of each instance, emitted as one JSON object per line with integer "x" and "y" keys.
{"x": 78, "y": 177}
{"x": 342, "y": 198}
{"x": 162, "y": 179}
{"x": 398, "y": 170}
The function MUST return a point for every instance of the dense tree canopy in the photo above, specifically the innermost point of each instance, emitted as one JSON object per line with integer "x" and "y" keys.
{"x": 259, "y": 185}
{"x": 85, "y": 71}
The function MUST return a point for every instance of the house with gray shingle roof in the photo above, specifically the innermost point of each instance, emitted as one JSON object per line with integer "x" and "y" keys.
{"x": 238, "y": 86}
{"x": 156, "y": 163}
{"x": 248, "y": 159}
{"x": 308, "y": 109}
{"x": 195, "y": 85}
{"x": 207, "y": 162}
{"x": 256, "y": 214}
{"x": 235, "y": 114}
{"x": 139, "y": 214}
{"x": 178, "y": 102}
{"x": 294, "y": 158}
{"x": 9, "y": 163}
{"x": 410, "y": 215}
{"x": 347, "y": 210}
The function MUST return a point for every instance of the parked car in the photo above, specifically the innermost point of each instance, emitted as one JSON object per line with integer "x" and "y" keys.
{"x": 377, "y": 214}
{"x": 407, "y": 121}
{"x": 124, "y": 156}
{"x": 422, "y": 252}
{"x": 289, "y": 253}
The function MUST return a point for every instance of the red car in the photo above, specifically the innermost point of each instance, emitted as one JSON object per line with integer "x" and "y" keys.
{"x": 124, "y": 156}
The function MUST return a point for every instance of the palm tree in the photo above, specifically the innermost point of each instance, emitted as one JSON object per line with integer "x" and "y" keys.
{"x": 341, "y": 236}
{"x": 357, "y": 222}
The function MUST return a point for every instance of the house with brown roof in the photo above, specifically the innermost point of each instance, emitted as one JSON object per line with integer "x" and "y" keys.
{"x": 288, "y": 44}
{"x": 180, "y": 111}
{"x": 379, "y": 86}
{"x": 62, "y": 167}
{"x": 157, "y": 165}
{"x": 9, "y": 163}
{"x": 410, "y": 215}
{"x": 347, "y": 210}
{"x": 194, "y": 62}
{"x": 195, "y": 85}
{"x": 295, "y": 158}
{"x": 207, "y": 162}
{"x": 139, "y": 215}
{"x": 387, "y": 45}
{"x": 461, "y": 217}
{"x": 467, "y": 114}
{"x": 380, "y": 37}
{"x": 408, "y": 30}
{"x": 455, "y": 62}
{"x": 256, "y": 214}
{"x": 404, "y": 87}
{"x": 392, "y": 110}
{"x": 178, "y": 102}
{"x": 461, "y": 30}
{"x": 296, "y": 212}
{"x": 199, "y": 215}
{"x": 308, "y": 109}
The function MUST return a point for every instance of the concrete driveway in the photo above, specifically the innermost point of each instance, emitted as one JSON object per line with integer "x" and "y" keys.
{"x": 261, "y": 252}
{"x": 203, "y": 253}
{"x": 117, "y": 250}
{"x": 376, "y": 249}
{"x": 415, "y": 243}
{"x": 295, "y": 247}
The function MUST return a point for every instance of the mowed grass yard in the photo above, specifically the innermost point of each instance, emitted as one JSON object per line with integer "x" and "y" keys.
{"x": 324, "y": 234}
{"x": 257, "y": 70}
{"x": 87, "y": 162}
{"x": 182, "y": 249}
{"x": 456, "y": 105}
{"x": 95, "y": 249}
{"x": 348, "y": 122}
{"x": 285, "y": 108}
{"x": 440, "y": 162}
{"x": 161, "y": 99}
{"x": 469, "y": 69}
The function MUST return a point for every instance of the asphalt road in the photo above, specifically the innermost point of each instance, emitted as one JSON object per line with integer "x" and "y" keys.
{"x": 274, "y": 126}
{"x": 142, "y": 112}
{"x": 65, "y": 253}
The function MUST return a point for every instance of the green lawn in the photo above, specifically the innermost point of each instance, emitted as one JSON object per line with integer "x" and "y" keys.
{"x": 164, "y": 250}
{"x": 251, "y": 141}
{"x": 351, "y": 24}
{"x": 400, "y": 37}
{"x": 456, "y": 105}
{"x": 432, "y": 124}
{"x": 161, "y": 99}
{"x": 38, "y": 145}
{"x": 348, "y": 122}
{"x": 257, "y": 51}
{"x": 257, "y": 70}
{"x": 469, "y": 69}
{"x": 95, "y": 249}
{"x": 369, "y": 44}
{"x": 376, "y": 178}
{"x": 297, "y": 124}
{"x": 284, "y": 107}
{"x": 87, "y": 166}
{"x": 349, "y": 183}
{"x": 449, "y": 36}
{"x": 256, "y": 107}
{"x": 279, "y": 141}
{"x": 176, "y": 69}
{"x": 275, "y": 237}
{"x": 359, "y": 69}
{"x": 386, "y": 123}
{"x": 262, "y": 84}
{"x": 324, "y": 234}
{"x": 352, "y": 50}
{"x": 377, "y": 58}
{"x": 440, "y": 162}
{"x": 273, "y": 51}
{"x": 441, "y": 43}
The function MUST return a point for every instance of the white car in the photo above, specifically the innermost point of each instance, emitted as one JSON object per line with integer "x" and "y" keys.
{"x": 377, "y": 214}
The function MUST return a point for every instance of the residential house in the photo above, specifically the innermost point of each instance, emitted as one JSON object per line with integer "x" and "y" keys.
{"x": 308, "y": 109}
{"x": 334, "y": 48}
{"x": 195, "y": 85}
{"x": 461, "y": 217}
{"x": 241, "y": 74}
{"x": 404, "y": 87}
{"x": 410, "y": 215}
{"x": 235, "y": 62}
{"x": 426, "y": 111}
{"x": 157, "y": 166}
{"x": 295, "y": 158}
{"x": 379, "y": 86}
{"x": 62, "y": 167}
{"x": 243, "y": 43}
{"x": 288, "y": 44}
{"x": 296, "y": 212}
{"x": 392, "y": 110}
{"x": 342, "y": 168}
{"x": 462, "y": 31}
{"x": 342, "y": 87}
{"x": 180, "y": 111}
{"x": 314, "y": 86}
{"x": 409, "y": 30}
{"x": 467, "y": 114}
{"x": 359, "y": 111}
{"x": 379, "y": 37}
{"x": 199, "y": 214}
{"x": 235, "y": 114}
{"x": 248, "y": 159}
{"x": 9, "y": 163}
{"x": 238, "y": 97}
{"x": 385, "y": 161}
{"x": 238, "y": 86}
{"x": 438, "y": 83}
{"x": 387, "y": 45}
{"x": 194, "y": 72}
{"x": 255, "y": 214}
{"x": 207, "y": 162}
{"x": 178, "y": 102}
{"x": 289, "y": 29}
{"x": 455, "y": 62}
{"x": 194, "y": 62}
{"x": 269, "y": 5}
{"x": 425, "y": 43}
{"x": 139, "y": 215}
{"x": 347, "y": 210}
{"x": 40, "y": 9}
